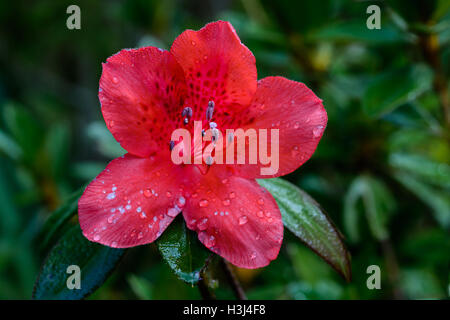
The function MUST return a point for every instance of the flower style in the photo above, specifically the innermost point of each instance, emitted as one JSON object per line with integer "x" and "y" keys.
{"x": 147, "y": 93}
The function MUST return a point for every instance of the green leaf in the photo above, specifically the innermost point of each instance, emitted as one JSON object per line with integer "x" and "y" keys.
{"x": 95, "y": 261}
{"x": 182, "y": 251}
{"x": 58, "y": 218}
{"x": 378, "y": 205}
{"x": 24, "y": 130}
{"x": 437, "y": 200}
{"x": 141, "y": 287}
{"x": 356, "y": 31}
{"x": 392, "y": 89}
{"x": 9, "y": 147}
{"x": 437, "y": 173}
{"x": 303, "y": 216}
{"x": 105, "y": 141}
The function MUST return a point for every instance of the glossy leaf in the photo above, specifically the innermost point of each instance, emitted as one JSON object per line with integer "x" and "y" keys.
{"x": 390, "y": 90}
{"x": 437, "y": 200}
{"x": 356, "y": 31}
{"x": 24, "y": 129}
{"x": 182, "y": 251}
{"x": 378, "y": 204}
{"x": 436, "y": 173}
{"x": 58, "y": 218}
{"x": 94, "y": 260}
{"x": 303, "y": 216}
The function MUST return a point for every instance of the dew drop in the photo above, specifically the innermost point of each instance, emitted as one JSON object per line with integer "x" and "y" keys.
{"x": 147, "y": 193}
{"x": 140, "y": 235}
{"x": 260, "y": 214}
{"x": 172, "y": 212}
{"x": 168, "y": 194}
{"x": 203, "y": 224}
{"x": 181, "y": 201}
{"x": 317, "y": 131}
{"x": 243, "y": 220}
{"x": 203, "y": 203}
{"x": 96, "y": 237}
{"x": 111, "y": 123}
{"x": 115, "y": 80}
{"x": 296, "y": 125}
{"x": 253, "y": 256}
{"x": 232, "y": 195}
{"x": 226, "y": 202}
{"x": 111, "y": 196}
{"x": 261, "y": 201}
{"x": 114, "y": 244}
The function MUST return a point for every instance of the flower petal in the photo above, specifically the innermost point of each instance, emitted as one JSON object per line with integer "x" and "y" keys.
{"x": 296, "y": 112}
{"x": 235, "y": 218}
{"x": 141, "y": 93}
{"x": 131, "y": 202}
{"x": 217, "y": 67}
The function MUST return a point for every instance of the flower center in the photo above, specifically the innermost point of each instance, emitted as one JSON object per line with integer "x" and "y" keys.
{"x": 213, "y": 134}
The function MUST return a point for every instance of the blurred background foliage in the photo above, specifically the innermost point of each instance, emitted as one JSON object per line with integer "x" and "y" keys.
{"x": 381, "y": 170}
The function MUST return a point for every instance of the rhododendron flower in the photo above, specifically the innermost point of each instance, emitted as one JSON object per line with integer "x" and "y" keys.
{"x": 209, "y": 76}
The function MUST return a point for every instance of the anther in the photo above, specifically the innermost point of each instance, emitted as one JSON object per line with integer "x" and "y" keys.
{"x": 187, "y": 114}
{"x": 209, "y": 160}
{"x": 209, "y": 110}
{"x": 212, "y": 125}
{"x": 215, "y": 134}
{"x": 171, "y": 145}
{"x": 230, "y": 137}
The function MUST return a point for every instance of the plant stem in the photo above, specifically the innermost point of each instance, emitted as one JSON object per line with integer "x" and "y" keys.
{"x": 205, "y": 292}
{"x": 233, "y": 281}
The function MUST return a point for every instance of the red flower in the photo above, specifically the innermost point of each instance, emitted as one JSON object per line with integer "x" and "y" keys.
{"x": 143, "y": 93}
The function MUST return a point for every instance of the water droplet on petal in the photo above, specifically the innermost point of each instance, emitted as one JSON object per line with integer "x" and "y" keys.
{"x": 114, "y": 244}
{"x": 317, "y": 131}
{"x": 147, "y": 193}
{"x": 181, "y": 201}
{"x": 168, "y": 194}
{"x": 203, "y": 203}
{"x": 253, "y": 256}
{"x": 296, "y": 125}
{"x": 261, "y": 201}
{"x": 203, "y": 224}
{"x": 243, "y": 220}
{"x": 140, "y": 235}
{"x": 295, "y": 151}
{"x": 115, "y": 80}
{"x": 96, "y": 237}
{"x": 172, "y": 212}
{"x": 260, "y": 214}
{"x": 226, "y": 202}
{"x": 232, "y": 195}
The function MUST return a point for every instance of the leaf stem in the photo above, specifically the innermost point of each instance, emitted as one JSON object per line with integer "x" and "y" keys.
{"x": 233, "y": 281}
{"x": 205, "y": 292}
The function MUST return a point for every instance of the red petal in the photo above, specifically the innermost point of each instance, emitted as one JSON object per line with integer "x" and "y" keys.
{"x": 235, "y": 218}
{"x": 217, "y": 67}
{"x": 141, "y": 92}
{"x": 299, "y": 115}
{"x": 131, "y": 202}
